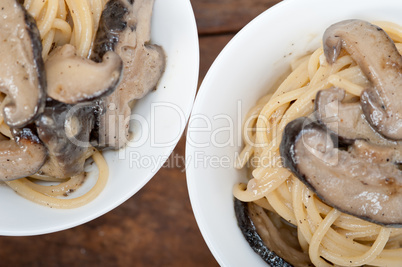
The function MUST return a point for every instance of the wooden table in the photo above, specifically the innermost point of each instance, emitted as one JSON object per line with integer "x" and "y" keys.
{"x": 156, "y": 227}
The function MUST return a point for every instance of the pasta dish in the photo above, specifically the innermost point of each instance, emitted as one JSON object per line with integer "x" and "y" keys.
{"x": 323, "y": 153}
{"x": 67, "y": 68}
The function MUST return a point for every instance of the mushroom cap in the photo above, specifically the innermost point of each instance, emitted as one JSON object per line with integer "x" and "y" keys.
{"x": 73, "y": 79}
{"x": 64, "y": 129}
{"x": 346, "y": 119}
{"x": 22, "y": 73}
{"x": 260, "y": 237}
{"x": 363, "y": 180}
{"x": 21, "y": 157}
{"x": 125, "y": 28}
{"x": 376, "y": 54}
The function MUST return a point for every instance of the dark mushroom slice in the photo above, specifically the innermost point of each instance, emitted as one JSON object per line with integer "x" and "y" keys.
{"x": 346, "y": 119}
{"x": 376, "y": 54}
{"x": 65, "y": 130}
{"x": 125, "y": 28}
{"x": 273, "y": 240}
{"x": 363, "y": 180}
{"x": 22, "y": 156}
{"x": 72, "y": 79}
{"x": 22, "y": 72}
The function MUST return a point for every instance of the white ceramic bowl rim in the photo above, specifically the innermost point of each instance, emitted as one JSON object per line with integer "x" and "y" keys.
{"x": 243, "y": 72}
{"x": 159, "y": 120}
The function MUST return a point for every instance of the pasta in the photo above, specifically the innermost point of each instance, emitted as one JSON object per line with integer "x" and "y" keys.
{"x": 65, "y": 67}
{"x": 53, "y": 17}
{"x": 44, "y": 195}
{"x": 324, "y": 233}
{"x": 68, "y": 62}
{"x": 56, "y": 29}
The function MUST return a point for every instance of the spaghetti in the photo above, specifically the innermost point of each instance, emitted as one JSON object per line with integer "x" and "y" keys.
{"x": 47, "y": 195}
{"x": 62, "y": 22}
{"x": 324, "y": 233}
{"x": 66, "y": 21}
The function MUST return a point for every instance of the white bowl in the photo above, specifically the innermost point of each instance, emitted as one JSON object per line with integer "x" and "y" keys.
{"x": 244, "y": 70}
{"x": 160, "y": 119}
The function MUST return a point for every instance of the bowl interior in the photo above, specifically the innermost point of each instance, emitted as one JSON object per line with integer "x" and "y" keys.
{"x": 158, "y": 123}
{"x": 244, "y": 71}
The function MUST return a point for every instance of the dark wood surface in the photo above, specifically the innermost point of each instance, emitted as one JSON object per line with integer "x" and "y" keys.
{"x": 156, "y": 227}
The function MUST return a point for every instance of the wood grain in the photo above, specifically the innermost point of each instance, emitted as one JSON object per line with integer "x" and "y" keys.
{"x": 227, "y": 16}
{"x": 210, "y": 47}
{"x": 156, "y": 227}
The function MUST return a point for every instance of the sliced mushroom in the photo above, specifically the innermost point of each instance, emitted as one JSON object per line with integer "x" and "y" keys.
{"x": 21, "y": 157}
{"x": 273, "y": 240}
{"x": 346, "y": 119}
{"x": 22, "y": 73}
{"x": 364, "y": 181}
{"x": 125, "y": 28}
{"x": 65, "y": 129}
{"x": 376, "y": 54}
{"x": 72, "y": 79}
